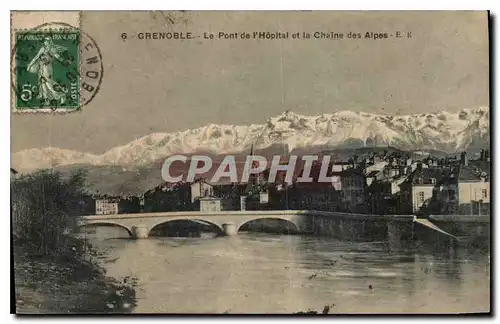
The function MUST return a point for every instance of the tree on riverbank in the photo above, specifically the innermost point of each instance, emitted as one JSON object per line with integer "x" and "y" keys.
{"x": 55, "y": 271}
{"x": 43, "y": 205}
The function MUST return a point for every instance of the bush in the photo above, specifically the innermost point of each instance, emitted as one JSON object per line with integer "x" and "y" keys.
{"x": 52, "y": 263}
{"x": 43, "y": 205}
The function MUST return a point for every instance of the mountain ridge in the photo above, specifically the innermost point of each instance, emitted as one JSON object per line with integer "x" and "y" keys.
{"x": 442, "y": 131}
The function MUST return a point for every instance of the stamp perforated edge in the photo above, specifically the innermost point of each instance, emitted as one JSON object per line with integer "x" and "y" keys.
{"x": 45, "y": 26}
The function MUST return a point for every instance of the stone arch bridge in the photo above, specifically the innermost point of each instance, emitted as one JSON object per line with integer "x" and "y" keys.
{"x": 229, "y": 222}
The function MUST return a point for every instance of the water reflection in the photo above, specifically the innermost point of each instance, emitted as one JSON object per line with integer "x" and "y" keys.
{"x": 264, "y": 273}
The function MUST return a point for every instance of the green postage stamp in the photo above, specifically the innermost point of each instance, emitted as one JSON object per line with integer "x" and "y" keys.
{"x": 47, "y": 70}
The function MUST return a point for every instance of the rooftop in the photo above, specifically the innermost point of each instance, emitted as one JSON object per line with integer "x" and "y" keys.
{"x": 432, "y": 176}
{"x": 475, "y": 170}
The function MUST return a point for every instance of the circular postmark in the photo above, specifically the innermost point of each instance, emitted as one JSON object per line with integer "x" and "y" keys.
{"x": 55, "y": 67}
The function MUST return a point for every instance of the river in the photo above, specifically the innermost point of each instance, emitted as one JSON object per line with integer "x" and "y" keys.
{"x": 266, "y": 273}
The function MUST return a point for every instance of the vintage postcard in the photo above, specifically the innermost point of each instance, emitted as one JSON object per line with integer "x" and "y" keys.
{"x": 250, "y": 162}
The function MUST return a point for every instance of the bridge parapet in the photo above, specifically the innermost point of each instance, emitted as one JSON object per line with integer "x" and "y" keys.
{"x": 461, "y": 218}
{"x": 229, "y": 222}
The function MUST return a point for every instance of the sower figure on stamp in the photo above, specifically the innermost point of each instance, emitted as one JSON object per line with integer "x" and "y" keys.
{"x": 41, "y": 64}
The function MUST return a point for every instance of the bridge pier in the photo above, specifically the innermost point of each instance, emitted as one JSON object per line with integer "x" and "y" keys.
{"x": 230, "y": 229}
{"x": 140, "y": 232}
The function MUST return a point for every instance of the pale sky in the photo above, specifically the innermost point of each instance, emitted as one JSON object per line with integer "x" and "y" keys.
{"x": 171, "y": 85}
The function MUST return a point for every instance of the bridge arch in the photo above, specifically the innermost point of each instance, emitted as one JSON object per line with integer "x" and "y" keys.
{"x": 194, "y": 220}
{"x": 106, "y": 223}
{"x": 284, "y": 219}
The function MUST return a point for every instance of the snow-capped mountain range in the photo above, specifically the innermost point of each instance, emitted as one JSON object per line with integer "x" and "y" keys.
{"x": 443, "y": 131}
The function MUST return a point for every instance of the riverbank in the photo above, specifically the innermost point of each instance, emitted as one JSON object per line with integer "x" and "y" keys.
{"x": 60, "y": 285}
{"x": 56, "y": 272}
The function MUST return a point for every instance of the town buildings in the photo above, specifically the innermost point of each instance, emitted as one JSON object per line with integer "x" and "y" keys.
{"x": 383, "y": 183}
{"x": 474, "y": 185}
{"x": 210, "y": 204}
{"x": 449, "y": 186}
{"x": 106, "y": 206}
{"x": 422, "y": 187}
{"x": 201, "y": 188}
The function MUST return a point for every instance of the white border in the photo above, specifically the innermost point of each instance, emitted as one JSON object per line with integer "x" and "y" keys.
{"x": 199, "y": 5}
{"x": 255, "y": 5}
